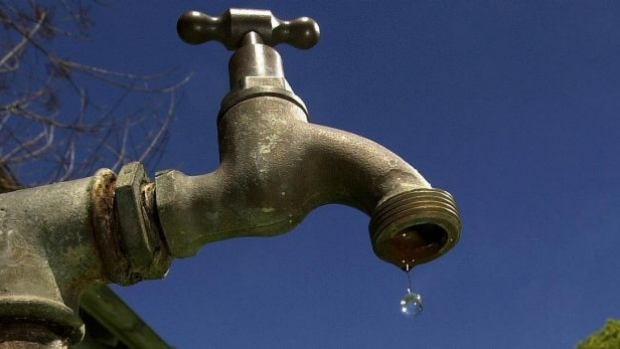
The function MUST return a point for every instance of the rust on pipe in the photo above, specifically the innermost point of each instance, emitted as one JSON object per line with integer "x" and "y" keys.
{"x": 57, "y": 240}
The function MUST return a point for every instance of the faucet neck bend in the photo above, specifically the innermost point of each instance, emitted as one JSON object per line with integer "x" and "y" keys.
{"x": 275, "y": 168}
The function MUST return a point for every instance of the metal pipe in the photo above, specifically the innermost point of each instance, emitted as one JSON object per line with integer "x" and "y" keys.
{"x": 117, "y": 318}
{"x": 47, "y": 248}
{"x": 58, "y": 240}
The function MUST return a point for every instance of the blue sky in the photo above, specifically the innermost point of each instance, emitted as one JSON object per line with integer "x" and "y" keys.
{"x": 512, "y": 106}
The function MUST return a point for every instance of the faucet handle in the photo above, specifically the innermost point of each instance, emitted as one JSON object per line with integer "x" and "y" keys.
{"x": 232, "y": 26}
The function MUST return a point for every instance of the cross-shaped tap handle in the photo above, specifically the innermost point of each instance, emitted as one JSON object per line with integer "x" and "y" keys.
{"x": 233, "y": 25}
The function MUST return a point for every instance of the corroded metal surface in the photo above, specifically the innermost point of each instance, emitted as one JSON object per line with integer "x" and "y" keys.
{"x": 48, "y": 254}
{"x": 105, "y": 225}
{"x": 55, "y": 241}
{"x": 142, "y": 246}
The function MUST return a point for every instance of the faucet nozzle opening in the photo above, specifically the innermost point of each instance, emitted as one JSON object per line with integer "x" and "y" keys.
{"x": 415, "y": 227}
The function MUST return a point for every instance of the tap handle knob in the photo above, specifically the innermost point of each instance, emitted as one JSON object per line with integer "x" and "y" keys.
{"x": 233, "y": 25}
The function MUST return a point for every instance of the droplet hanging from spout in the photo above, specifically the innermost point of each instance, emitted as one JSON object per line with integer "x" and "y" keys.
{"x": 411, "y": 304}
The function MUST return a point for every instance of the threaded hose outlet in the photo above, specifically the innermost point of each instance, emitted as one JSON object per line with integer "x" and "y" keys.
{"x": 415, "y": 227}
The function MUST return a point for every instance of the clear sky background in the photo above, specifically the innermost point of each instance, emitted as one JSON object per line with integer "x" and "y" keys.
{"x": 512, "y": 106}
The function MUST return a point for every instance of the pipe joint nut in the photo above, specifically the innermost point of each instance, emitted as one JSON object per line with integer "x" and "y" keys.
{"x": 142, "y": 243}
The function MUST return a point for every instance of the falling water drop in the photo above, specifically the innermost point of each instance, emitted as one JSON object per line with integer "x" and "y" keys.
{"x": 411, "y": 304}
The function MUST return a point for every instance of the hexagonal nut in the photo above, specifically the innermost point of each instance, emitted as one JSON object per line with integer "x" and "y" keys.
{"x": 139, "y": 241}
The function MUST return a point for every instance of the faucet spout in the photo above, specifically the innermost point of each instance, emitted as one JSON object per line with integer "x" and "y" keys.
{"x": 275, "y": 168}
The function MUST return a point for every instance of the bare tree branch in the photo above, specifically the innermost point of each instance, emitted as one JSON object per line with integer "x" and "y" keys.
{"x": 61, "y": 118}
{"x": 12, "y": 54}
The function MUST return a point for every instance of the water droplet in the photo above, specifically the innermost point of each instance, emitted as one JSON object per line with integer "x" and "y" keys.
{"x": 411, "y": 304}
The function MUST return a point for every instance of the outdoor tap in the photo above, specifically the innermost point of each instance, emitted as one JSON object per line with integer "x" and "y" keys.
{"x": 275, "y": 167}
